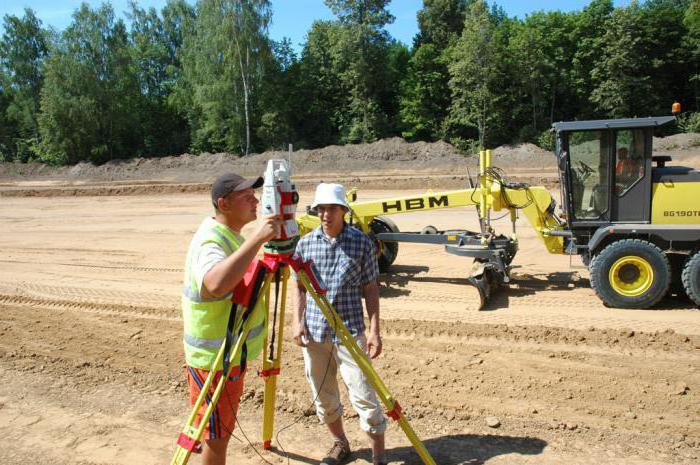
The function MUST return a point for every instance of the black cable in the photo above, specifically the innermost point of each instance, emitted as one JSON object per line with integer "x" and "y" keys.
{"x": 330, "y": 359}
{"x": 313, "y": 402}
{"x": 498, "y": 175}
{"x": 300, "y": 417}
{"x": 251, "y": 444}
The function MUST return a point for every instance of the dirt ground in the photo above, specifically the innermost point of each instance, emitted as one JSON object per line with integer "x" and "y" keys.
{"x": 91, "y": 356}
{"x": 91, "y": 352}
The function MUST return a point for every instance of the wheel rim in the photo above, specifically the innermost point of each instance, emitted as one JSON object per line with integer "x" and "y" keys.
{"x": 631, "y": 276}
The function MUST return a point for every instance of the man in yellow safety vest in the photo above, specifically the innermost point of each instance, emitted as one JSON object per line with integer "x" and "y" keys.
{"x": 216, "y": 262}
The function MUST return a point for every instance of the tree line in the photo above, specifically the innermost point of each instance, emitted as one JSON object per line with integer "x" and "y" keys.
{"x": 207, "y": 77}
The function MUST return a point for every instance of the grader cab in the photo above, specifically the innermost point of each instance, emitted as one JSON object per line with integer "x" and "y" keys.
{"x": 634, "y": 220}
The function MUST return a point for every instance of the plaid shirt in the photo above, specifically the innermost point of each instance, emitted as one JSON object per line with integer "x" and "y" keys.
{"x": 345, "y": 265}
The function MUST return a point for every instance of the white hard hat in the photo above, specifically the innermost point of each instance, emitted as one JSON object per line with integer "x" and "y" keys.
{"x": 330, "y": 194}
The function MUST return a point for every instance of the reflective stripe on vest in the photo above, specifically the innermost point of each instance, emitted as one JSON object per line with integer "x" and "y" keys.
{"x": 201, "y": 343}
{"x": 206, "y": 319}
{"x": 223, "y": 237}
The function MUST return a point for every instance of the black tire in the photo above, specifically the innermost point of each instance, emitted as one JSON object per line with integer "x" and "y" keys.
{"x": 630, "y": 273}
{"x": 586, "y": 258}
{"x": 386, "y": 251}
{"x": 691, "y": 278}
{"x": 677, "y": 261}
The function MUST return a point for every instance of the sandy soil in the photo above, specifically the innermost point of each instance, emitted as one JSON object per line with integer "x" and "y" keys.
{"x": 91, "y": 356}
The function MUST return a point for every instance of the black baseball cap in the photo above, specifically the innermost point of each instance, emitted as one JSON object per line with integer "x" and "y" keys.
{"x": 231, "y": 182}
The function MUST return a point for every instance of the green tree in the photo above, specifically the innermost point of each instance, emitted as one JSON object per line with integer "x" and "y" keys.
{"x": 156, "y": 42}
{"x": 7, "y": 129}
{"x": 90, "y": 92}
{"x": 534, "y": 67}
{"x": 691, "y": 20}
{"x": 473, "y": 70}
{"x": 224, "y": 63}
{"x": 23, "y": 50}
{"x": 590, "y": 26}
{"x": 541, "y": 52}
{"x": 440, "y": 22}
{"x": 321, "y": 95}
{"x": 622, "y": 89}
{"x": 398, "y": 57}
{"x": 667, "y": 58}
{"x": 278, "y": 99}
{"x": 364, "y": 47}
{"x": 425, "y": 94}
{"x": 179, "y": 20}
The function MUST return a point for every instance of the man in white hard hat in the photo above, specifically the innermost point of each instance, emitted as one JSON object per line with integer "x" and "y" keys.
{"x": 347, "y": 263}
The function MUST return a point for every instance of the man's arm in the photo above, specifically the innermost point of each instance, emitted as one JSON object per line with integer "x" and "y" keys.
{"x": 374, "y": 340}
{"x": 298, "y": 308}
{"x": 223, "y": 278}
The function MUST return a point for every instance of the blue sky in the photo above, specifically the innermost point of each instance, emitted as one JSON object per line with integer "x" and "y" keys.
{"x": 291, "y": 18}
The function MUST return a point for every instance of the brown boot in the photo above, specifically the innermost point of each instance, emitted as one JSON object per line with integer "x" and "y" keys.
{"x": 337, "y": 455}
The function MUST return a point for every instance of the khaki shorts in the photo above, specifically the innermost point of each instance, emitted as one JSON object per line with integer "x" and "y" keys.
{"x": 322, "y": 360}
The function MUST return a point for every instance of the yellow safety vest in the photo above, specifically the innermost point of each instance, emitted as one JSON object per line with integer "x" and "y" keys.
{"x": 206, "y": 319}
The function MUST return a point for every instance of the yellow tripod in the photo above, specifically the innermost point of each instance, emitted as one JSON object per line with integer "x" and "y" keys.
{"x": 257, "y": 283}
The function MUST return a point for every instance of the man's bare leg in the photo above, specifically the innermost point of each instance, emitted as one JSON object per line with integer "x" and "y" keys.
{"x": 214, "y": 451}
{"x": 336, "y": 429}
{"x": 377, "y": 448}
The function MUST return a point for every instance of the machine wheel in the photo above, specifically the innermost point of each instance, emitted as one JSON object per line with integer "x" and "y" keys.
{"x": 387, "y": 251}
{"x": 630, "y": 273}
{"x": 691, "y": 278}
{"x": 429, "y": 230}
{"x": 677, "y": 261}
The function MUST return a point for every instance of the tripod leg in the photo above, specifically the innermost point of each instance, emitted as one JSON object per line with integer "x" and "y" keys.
{"x": 271, "y": 366}
{"x": 392, "y": 406}
{"x": 189, "y": 439}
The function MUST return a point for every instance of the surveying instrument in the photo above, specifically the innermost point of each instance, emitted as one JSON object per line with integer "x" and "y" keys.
{"x": 253, "y": 295}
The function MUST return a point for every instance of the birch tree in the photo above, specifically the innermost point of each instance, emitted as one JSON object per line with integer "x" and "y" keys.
{"x": 472, "y": 67}
{"x": 224, "y": 63}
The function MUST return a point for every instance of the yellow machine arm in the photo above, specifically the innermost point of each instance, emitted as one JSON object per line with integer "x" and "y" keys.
{"x": 535, "y": 203}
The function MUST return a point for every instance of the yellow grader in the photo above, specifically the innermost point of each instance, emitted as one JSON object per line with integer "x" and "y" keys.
{"x": 633, "y": 220}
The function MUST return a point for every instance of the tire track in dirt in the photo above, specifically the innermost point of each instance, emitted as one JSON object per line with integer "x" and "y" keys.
{"x": 96, "y": 295}
{"x": 109, "y": 267}
{"x": 75, "y": 250}
{"x": 502, "y": 299}
{"x": 536, "y": 310}
{"x": 525, "y": 317}
{"x": 440, "y": 333}
{"x": 130, "y": 310}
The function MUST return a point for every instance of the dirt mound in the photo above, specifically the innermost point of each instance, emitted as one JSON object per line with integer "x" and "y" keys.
{"x": 435, "y": 182}
{"x": 393, "y": 155}
{"x": 684, "y": 141}
{"x": 525, "y": 154}
{"x": 392, "y": 163}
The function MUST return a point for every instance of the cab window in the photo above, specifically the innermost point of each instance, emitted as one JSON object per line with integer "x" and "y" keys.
{"x": 589, "y": 155}
{"x": 629, "y": 159}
